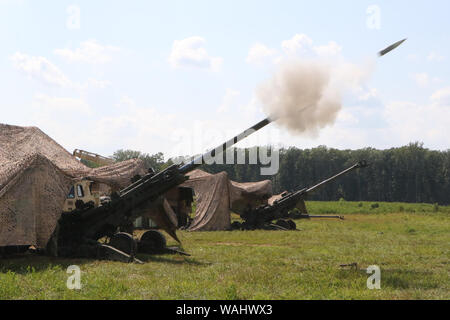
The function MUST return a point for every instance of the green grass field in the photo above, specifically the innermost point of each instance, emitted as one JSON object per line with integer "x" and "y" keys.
{"x": 409, "y": 242}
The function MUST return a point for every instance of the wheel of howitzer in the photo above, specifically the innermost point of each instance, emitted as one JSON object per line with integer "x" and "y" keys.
{"x": 292, "y": 224}
{"x": 151, "y": 241}
{"x": 124, "y": 242}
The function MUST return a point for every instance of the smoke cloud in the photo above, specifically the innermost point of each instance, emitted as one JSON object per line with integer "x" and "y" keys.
{"x": 305, "y": 96}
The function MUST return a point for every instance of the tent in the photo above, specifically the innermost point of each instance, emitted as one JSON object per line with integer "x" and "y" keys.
{"x": 36, "y": 174}
{"x": 216, "y": 195}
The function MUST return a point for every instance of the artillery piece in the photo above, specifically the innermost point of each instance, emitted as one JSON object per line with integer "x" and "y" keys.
{"x": 79, "y": 231}
{"x": 263, "y": 216}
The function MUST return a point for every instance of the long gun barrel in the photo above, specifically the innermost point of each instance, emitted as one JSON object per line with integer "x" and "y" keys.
{"x": 220, "y": 149}
{"x": 360, "y": 164}
{"x": 186, "y": 168}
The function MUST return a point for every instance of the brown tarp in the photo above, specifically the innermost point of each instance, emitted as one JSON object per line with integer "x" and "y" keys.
{"x": 301, "y": 206}
{"x": 216, "y": 195}
{"x": 35, "y": 177}
{"x": 162, "y": 214}
{"x": 249, "y": 194}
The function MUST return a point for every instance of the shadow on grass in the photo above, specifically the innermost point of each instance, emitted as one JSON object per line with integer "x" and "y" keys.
{"x": 24, "y": 264}
{"x": 179, "y": 260}
{"x": 29, "y": 263}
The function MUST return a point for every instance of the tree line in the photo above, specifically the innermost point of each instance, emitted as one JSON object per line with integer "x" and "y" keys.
{"x": 410, "y": 173}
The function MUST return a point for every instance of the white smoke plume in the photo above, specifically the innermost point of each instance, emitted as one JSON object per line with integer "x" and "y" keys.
{"x": 305, "y": 95}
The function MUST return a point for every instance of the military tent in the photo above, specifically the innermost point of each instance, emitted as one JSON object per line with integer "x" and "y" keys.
{"x": 36, "y": 174}
{"x": 216, "y": 195}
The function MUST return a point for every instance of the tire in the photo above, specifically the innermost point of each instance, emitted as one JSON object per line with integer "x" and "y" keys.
{"x": 152, "y": 240}
{"x": 283, "y": 224}
{"x": 292, "y": 224}
{"x": 124, "y": 242}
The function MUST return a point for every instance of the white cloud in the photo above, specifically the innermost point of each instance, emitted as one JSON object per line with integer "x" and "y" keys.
{"x": 95, "y": 83}
{"x": 435, "y": 57}
{"x": 89, "y": 52}
{"x": 190, "y": 52}
{"x": 40, "y": 68}
{"x": 367, "y": 94}
{"x": 228, "y": 100}
{"x": 126, "y": 102}
{"x": 346, "y": 117}
{"x": 422, "y": 79}
{"x": 441, "y": 97}
{"x": 329, "y": 50}
{"x": 428, "y": 123}
{"x": 299, "y": 46}
{"x": 73, "y": 123}
{"x": 69, "y": 107}
{"x": 259, "y": 54}
{"x": 299, "y": 43}
{"x": 128, "y": 127}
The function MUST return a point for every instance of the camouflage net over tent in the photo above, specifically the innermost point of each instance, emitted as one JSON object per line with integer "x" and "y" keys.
{"x": 216, "y": 195}
{"x": 36, "y": 174}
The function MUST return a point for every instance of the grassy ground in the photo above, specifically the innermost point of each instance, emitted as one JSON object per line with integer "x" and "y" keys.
{"x": 410, "y": 244}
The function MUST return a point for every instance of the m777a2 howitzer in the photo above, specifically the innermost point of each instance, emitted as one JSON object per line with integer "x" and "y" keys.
{"x": 263, "y": 216}
{"x": 79, "y": 231}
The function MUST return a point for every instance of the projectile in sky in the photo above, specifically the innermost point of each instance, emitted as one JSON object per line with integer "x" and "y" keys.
{"x": 390, "y": 48}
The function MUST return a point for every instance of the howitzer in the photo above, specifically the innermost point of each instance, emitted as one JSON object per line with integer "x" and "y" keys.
{"x": 78, "y": 232}
{"x": 263, "y": 216}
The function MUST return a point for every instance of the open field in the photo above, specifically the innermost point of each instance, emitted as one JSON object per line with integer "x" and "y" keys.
{"x": 409, "y": 242}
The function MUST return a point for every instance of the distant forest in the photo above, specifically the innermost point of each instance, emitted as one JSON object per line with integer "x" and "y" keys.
{"x": 406, "y": 174}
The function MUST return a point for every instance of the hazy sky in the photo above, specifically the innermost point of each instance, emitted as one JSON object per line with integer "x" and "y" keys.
{"x": 180, "y": 76}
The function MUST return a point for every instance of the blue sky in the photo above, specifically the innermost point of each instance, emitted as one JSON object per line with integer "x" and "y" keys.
{"x": 179, "y": 76}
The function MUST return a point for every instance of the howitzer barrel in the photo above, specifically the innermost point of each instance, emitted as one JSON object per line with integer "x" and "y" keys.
{"x": 200, "y": 159}
{"x": 360, "y": 164}
{"x": 220, "y": 149}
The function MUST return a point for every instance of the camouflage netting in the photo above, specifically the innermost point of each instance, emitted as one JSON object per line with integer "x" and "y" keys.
{"x": 35, "y": 177}
{"x": 216, "y": 195}
{"x": 29, "y": 208}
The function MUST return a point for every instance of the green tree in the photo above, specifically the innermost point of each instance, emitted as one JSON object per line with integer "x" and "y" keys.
{"x": 155, "y": 161}
{"x": 410, "y": 173}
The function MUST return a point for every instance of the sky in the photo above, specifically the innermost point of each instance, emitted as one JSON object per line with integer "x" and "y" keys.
{"x": 180, "y": 77}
